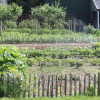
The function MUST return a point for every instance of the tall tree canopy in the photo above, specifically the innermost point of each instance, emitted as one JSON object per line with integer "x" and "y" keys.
{"x": 26, "y": 4}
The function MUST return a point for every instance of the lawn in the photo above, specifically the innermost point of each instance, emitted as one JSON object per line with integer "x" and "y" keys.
{"x": 59, "y": 98}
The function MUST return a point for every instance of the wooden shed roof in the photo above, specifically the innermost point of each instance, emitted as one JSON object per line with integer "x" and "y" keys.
{"x": 3, "y": 2}
{"x": 97, "y": 4}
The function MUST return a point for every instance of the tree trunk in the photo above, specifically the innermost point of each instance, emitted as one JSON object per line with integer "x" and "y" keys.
{"x": 0, "y": 27}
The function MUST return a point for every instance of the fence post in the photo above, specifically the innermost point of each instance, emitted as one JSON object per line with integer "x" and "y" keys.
{"x": 0, "y": 79}
{"x": 94, "y": 83}
{"x": 8, "y": 86}
{"x": 70, "y": 84}
{"x": 39, "y": 86}
{"x": 56, "y": 85}
{"x": 34, "y": 86}
{"x": 0, "y": 27}
{"x": 75, "y": 83}
{"x": 36, "y": 26}
{"x": 89, "y": 82}
{"x": 14, "y": 84}
{"x": 98, "y": 84}
{"x": 24, "y": 93}
{"x": 84, "y": 84}
{"x": 29, "y": 85}
{"x": 80, "y": 84}
{"x": 43, "y": 84}
{"x": 61, "y": 86}
{"x": 52, "y": 87}
{"x": 65, "y": 84}
{"x": 48, "y": 86}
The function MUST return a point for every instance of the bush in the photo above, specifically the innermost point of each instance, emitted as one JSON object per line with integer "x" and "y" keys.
{"x": 9, "y": 64}
{"x": 9, "y": 24}
{"x": 10, "y": 12}
{"x": 91, "y": 30}
{"x": 28, "y": 24}
{"x": 96, "y": 45}
{"x": 91, "y": 91}
{"x": 50, "y": 16}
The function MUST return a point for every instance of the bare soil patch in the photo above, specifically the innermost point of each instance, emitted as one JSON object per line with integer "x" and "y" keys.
{"x": 31, "y": 46}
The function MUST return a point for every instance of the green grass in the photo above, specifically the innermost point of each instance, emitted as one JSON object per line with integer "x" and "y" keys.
{"x": 59, "y": 98}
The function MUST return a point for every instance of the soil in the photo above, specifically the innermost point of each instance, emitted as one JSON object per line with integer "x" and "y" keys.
{"x": 34, "y": 45}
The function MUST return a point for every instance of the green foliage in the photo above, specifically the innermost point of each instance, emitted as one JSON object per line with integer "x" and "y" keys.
{"x": 96, "y": 45}
{"x": 9, "y": 24}
{"x": 26, "y": 36}
{"x": 50, "y": 16}
{"x": 91, "y": 91}
{"x": 4, "y": 87}
{"x": 8, "y": 62}
{"x": 28, "y": 24}
{"x": 10, "y": 12}
{"x": 91, "y": 30}
{"x": 95, "y": 62}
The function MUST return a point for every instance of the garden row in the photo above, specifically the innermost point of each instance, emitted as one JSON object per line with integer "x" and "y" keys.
{"x": 46, "y": 36}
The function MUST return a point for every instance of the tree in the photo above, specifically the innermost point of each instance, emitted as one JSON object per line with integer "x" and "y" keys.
{"x": 50, "y": 16}
{"x": 10, "y": 12}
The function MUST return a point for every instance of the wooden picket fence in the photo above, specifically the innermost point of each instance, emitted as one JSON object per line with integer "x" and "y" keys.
{"x": 53, "y": 85}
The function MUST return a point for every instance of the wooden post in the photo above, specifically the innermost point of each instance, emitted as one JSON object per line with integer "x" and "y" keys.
{"x": 84, "y": 84}
{"x": 80, "y": 84}
{"x": 8, "y": 84}
{"x": 70, "y": 84}
{"x": 74, "y": 26}
{"x": 14, "y": 85}
{"x": 36, "y": 26}
{"x": 0, "y": 79}
{"x": 98, "y": 19}
{"x": 24, "y": 93}
{"x": 98, "y": 84}
{"x": 19, "y": 85}
{"x": 89, "y": 82}
{"x": 39, "y": 86}
{"x": 69, "y": 25}
{"x": 56, "y": 85}
{"x": 75, "y": 82}
{"x": 0, "y": 27}
{"x": 52, "y": 87}
{"x": 43, "y": 84}
{"x": 48, "y": 86}
{"x": 34, "y": 86}
{"x": 61, "y": 86}
{"x": 94, "y": 83}
{"x": 65, "y": 84}
{"x": 29, "y": 85}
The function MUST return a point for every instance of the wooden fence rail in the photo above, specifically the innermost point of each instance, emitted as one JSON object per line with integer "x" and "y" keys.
{"x": 51, "y": 85}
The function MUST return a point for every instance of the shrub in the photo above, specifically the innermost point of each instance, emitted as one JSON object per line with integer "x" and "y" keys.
{"x": 91, "y": 30}
{"x": 50, "y": 16}
{"x": 29, "y": 23}
{"x": 91, "y": 91}
{"x": 9, "y": 64}
{"x": 9, "y": 24}
{"x": 96, "y": 45}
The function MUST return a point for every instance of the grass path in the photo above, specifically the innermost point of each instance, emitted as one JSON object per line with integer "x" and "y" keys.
{"x": 59, "y": 98}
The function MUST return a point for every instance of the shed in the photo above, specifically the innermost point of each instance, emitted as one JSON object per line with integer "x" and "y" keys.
{"x": 95, "y": 11}
{"x": 85, "y": 10}
{"x": 3, "y": 2}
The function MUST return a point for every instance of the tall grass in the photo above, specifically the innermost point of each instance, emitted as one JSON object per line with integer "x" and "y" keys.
{"x": 25, "y": 37}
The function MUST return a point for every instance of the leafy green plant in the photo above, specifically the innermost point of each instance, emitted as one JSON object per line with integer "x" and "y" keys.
{"x": 9, "y": 24}
{"x": 47, "y": 16}
{"x": 91, "y": 91}
{"x": 96, "y": 45}
{"x": 29, "y": 23}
